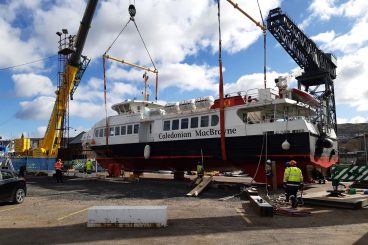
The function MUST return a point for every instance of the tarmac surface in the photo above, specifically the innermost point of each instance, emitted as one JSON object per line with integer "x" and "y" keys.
{"x": 56, "y": 213}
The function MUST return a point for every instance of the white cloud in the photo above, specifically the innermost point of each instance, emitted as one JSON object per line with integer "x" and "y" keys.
{"x": 350, "y": 87}
{"x": 252, "y": 81}
{"x": 86, "y": 110}
{"x": 40, "y": 132}
{"x": 172, "y": 30}
{"x": 325, "y": 9}
{"x": 39, "y": 108}
{"x": 355, "y": 8}
{"x": 90, "y": 91}
{"x": 11, "y": 55}
{"x": 324, "y": 37}
{"x": 351, "y": 41}
{"x": 188, "y": 77}
{"x": 27, "y": 85}
{"x": 358, "y": 119}
{"x": 342, "y": 120}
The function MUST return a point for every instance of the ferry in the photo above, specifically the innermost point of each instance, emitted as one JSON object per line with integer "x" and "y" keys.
{"x": 278, "y": 124}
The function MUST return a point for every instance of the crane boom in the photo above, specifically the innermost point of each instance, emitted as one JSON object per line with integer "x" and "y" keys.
{"x": 319, "y": 67}
{"x": 51, "y": 142}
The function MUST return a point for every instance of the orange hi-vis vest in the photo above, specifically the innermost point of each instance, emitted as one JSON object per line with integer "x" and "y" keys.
{"x": 58, "y": 165}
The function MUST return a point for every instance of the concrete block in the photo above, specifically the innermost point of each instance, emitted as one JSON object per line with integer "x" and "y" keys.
{"x": 127, "y": 216}
{"x": 262, "y": 207}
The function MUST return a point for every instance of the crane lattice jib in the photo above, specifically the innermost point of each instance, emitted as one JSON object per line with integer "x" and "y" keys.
{"x": 301, "y": 48}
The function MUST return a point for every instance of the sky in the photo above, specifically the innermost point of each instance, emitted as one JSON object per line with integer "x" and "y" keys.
{"x": 182, "y": 39}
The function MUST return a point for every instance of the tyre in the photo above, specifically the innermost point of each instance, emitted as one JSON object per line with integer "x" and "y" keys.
{"x": 19, "y": 196}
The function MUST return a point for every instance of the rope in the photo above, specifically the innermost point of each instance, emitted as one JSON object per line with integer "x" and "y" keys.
{"x": 266, "y": 156}
{"x": 28, "y": 63}
{"x": 260, "y": 158}
{"x": 144, "y": 45}
{"x": 108, "y": 49}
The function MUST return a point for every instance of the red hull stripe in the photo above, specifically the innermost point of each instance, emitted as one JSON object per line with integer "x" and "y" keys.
{"x": 162, "y": 157}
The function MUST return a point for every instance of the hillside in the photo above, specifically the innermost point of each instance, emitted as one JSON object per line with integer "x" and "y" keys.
{"x": 351, "y": 137}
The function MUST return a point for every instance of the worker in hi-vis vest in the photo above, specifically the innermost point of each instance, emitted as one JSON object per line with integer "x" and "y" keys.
{"x": 58, "y": 168}
{"x": 200, "y": 170}
{"x": 293, "y": 180}
{"x": 89, "y": 166}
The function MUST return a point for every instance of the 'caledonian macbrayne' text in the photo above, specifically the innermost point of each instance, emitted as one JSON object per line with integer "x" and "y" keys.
{"x": 198, "y": 133}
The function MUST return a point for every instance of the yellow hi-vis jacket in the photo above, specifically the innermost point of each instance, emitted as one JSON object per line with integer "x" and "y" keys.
{"x": 200, "y": 169}
{"x": 89, "y": 166}
{"x": 293, "y": 174}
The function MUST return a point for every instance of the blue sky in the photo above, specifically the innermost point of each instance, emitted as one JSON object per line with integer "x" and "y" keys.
{"x": 182, "y": 37}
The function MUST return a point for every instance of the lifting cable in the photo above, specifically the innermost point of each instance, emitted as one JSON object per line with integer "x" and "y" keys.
{"x": 264, "y": 47}
{"x": 27, "y": 63}
{"x": 132, "y": 12}
{"x": 221, "y": 94}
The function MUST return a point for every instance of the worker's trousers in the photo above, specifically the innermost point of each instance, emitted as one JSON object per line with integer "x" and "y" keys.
{"x": 291, "y": 190}
{"x": 59, "y": 176}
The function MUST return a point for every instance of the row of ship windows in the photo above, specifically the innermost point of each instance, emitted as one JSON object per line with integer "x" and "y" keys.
{"x": 185, "y": 123}
{"x": 204, "y": 121}
{"x": 118, "y": 130}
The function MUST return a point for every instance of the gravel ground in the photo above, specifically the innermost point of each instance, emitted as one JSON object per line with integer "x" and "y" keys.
{"x": 57, "y": 213}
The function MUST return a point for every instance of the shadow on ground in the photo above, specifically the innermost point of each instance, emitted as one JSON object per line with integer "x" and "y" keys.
{"x": 181, "y": 227}
{"x": 84, "y": 188}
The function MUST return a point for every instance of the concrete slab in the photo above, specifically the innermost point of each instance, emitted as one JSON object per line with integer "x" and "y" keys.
{"x": 127, "y": 216}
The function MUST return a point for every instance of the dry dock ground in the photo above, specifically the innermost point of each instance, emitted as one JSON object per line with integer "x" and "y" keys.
{"x": 57, "y": 213}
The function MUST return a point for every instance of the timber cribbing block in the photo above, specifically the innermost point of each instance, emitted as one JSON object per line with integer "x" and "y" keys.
{"x": 262, "y": 207}
{"x": 127, "y": 216}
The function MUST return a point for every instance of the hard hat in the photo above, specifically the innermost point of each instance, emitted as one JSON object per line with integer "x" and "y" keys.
{"x": 292, "y": 162}
{"x": 268, "y": 161}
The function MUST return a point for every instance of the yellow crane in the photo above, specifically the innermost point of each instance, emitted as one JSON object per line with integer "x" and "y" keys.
{"x": 50, "y": 143}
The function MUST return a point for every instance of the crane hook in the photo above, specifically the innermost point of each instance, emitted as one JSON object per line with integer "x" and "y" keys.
{"x": 132, "y": 11}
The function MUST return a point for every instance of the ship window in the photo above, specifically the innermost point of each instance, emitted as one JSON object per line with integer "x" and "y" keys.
{"x": 194, "y": 122}
{"x": 214, "y": 120}
{"x": 101, "y": 132}
{"x": 166, "y": 125}
{"x": 104, "y": 132}
{"x": 117, "y": 130}
{"x": 204, "y": 121}
{"x": 96, "y": 132}
{"x": 138, "y": 108}
{"x": 123, "y": 130}
{"x": 175, "y": 124}
{"x": 184, "y": 123}
{"x": 298, "y": 131}
{"x": 130, "y": 129}
{"x": 111, "y": 131}
{"x": 136, "y": 128}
